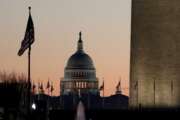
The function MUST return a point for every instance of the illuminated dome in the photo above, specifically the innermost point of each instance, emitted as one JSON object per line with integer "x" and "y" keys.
{"x": 79, "y": 73}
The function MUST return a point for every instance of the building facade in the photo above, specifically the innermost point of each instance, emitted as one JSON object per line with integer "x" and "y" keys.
{"x": 79, "y": 74}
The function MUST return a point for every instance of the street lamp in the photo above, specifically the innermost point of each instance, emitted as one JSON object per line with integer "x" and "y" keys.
{"x": 33, "y": 106}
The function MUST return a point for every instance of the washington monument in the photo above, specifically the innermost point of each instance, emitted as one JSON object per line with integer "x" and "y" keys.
{"x": 155, "y": 54}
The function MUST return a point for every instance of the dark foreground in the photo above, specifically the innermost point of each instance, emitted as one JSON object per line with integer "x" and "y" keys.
{"x": 109, "y": 114}
{"x": 98, "y": 115}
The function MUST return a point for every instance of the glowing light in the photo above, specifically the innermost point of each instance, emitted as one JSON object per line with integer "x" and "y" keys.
{"x": 33, "y": 106}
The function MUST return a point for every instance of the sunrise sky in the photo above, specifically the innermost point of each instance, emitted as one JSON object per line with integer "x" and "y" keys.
{"x": 105, "y": 26}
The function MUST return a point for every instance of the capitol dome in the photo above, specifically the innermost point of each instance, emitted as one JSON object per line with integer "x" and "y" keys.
{"x": 80, "y": 60}
{"x": 79, "y": 73}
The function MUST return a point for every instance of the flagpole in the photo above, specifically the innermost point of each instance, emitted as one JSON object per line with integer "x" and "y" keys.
{"x": 29, "y": 78}
{"x": 29, "y": 73}
{"x": 172, "y": 92}
{"x": 154, "y": 93}
{"x": 103, "y": 97}
{"x": 26, "y": 44}
{"x": 103, "y": 93}
{"x": 103, "y": 100}
{"x": 139, "y": 105}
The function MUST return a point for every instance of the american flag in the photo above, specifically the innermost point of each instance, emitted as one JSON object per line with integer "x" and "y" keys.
{"x": 102, "y": 86}
{"x": 29, "y": 36}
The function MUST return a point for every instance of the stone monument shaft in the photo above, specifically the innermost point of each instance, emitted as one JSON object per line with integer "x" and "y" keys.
{"x": 155, "y": 54}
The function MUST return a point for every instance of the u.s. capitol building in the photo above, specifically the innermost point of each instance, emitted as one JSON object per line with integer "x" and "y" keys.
{"x": 79, "y": 74}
